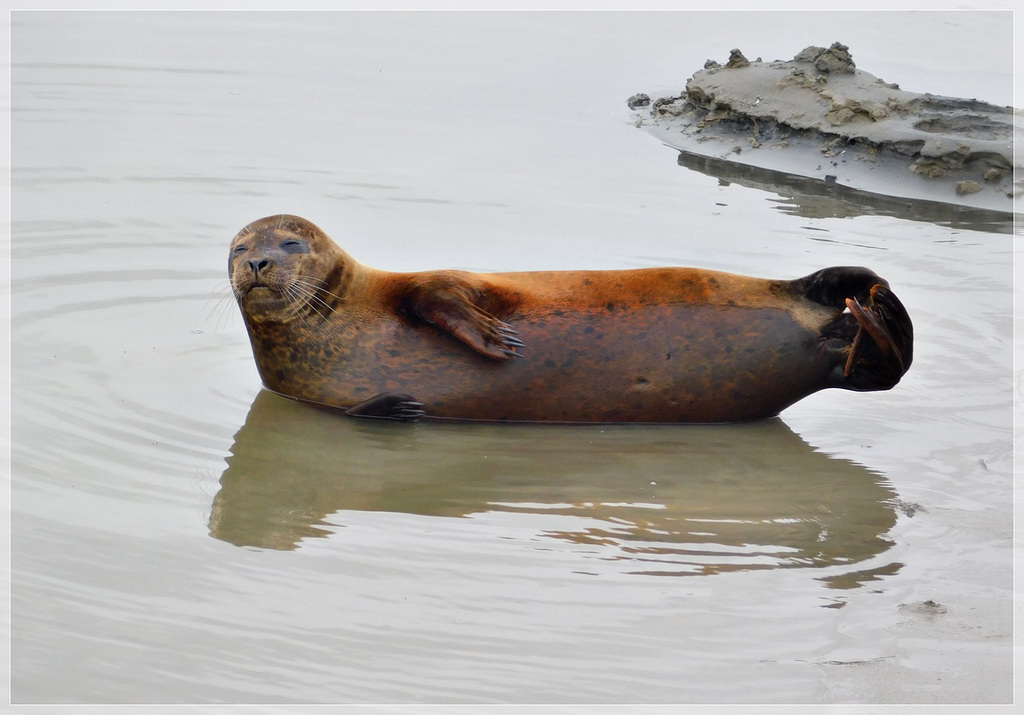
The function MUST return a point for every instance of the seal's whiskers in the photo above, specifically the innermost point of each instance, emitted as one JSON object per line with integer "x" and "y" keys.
{"x": 303, "y": 302}
{"x": 312, "y": 282}
{"x": 312, "y": 294}
{"x": 220, "y": 311}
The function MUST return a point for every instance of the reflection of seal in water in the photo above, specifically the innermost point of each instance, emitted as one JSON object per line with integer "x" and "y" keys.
{"x": 740, "y": 502}
{"x": 647, "y": 345}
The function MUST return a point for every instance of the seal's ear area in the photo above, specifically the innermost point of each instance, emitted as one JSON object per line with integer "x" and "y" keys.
{"x": 883, "y": 347}
{"x": 396, "y": 406}
{"x": 446, "y": 304}
{"x": 832, "y": 286}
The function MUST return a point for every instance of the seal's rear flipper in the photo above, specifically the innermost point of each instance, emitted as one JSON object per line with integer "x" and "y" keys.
{"x": 883, "y": 347}
{"x": 875, "y": 338}
{"x": 389, "y": 406}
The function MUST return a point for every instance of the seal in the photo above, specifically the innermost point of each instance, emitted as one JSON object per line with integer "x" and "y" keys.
{"x": 643, "y": 345}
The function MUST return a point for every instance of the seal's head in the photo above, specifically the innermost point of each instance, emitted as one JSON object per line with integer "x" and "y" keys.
{"x": 283, "y": 266}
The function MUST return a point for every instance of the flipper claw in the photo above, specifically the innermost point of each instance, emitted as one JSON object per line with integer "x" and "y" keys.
{"x": 396, "y": 406}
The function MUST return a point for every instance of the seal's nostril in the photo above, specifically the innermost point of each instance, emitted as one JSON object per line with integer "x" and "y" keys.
{"x": 258, "y": 265}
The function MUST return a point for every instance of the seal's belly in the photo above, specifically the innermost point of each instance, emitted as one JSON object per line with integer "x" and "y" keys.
{"x": 667, "y": 363}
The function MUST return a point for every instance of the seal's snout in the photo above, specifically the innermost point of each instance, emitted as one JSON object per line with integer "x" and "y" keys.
{"x": 251, "y": 268}
{"x": 258, "y": 264}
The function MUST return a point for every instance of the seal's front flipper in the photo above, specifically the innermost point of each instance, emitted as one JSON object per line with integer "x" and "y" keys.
{"x": 396, "y": 406}
{"x": 481, "y": 331}
{"x": 449, "y": 308}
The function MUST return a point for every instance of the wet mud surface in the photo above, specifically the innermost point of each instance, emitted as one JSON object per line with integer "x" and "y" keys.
{"x": 819, "y": 117}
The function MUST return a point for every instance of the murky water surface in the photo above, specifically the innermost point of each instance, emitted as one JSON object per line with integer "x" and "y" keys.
{"x": 180, "y": 536}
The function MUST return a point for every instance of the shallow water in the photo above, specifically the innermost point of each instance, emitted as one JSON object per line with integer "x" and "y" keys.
{"x": 180, "y": 536}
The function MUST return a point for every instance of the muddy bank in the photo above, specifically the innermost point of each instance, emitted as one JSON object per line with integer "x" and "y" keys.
{"x": 818, "y": 116}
